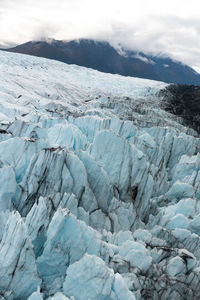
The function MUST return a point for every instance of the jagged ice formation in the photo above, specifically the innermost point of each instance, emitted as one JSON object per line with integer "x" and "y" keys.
{"x": 100, "y": 194}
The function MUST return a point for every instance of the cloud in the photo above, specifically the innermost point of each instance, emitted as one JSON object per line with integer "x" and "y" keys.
{"x": 154, "y": 26}
{"x": 169, "y": 35}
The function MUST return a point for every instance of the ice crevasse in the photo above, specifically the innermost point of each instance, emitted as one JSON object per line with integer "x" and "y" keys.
{"x": 99, "y": 187}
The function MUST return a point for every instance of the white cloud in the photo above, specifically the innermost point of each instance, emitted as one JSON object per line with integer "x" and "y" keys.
{"x": 172, "y": 26}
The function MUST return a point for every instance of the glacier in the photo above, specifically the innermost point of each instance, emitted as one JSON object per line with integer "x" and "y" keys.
{"x": 100, "y": 187}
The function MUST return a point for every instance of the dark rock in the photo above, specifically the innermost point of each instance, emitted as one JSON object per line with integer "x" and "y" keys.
{"x": 184, "y": 102}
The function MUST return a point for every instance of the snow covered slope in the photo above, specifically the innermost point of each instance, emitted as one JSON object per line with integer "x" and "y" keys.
{"x": 100, "y": 194}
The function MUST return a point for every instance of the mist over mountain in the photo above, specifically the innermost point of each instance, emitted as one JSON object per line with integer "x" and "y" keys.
{"x": 103, "y": 57}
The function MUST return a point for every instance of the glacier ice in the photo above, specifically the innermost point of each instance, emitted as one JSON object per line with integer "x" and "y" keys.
{"x": 100, "y": 187}
{"x": 18, "y": 272}
{"x": 90, "y": 278}
{"x": 176, "y": 266}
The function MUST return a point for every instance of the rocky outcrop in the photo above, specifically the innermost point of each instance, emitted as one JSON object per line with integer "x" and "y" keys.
{"x": 184, "y": 102}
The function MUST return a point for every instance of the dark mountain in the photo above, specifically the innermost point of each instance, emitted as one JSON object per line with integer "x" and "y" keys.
{"x": 103, "y": 57}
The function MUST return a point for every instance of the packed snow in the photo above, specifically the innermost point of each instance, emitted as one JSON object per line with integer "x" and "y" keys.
{"x": 100, "y": 187}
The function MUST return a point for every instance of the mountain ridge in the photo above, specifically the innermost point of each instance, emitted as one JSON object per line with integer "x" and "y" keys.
{"x": 103, "y": 57}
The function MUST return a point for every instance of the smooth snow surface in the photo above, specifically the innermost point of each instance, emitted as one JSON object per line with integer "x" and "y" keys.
{"x": 100, "y": 187}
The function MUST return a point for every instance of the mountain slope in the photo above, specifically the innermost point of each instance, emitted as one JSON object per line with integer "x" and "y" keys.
{"x": 99, "y": 194}
{"x": 101, "y": 56}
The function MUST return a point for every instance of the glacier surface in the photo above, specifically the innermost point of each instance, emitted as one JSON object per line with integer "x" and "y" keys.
{"x": 100, "y": 193}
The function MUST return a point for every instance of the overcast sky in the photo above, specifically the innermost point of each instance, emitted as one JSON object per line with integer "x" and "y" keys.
{"x": 158, "y": 26}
